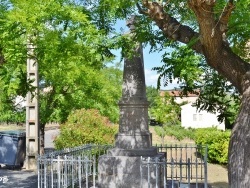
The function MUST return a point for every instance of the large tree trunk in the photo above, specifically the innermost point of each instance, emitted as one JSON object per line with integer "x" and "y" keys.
{"x": 239, "y": 148}
{"x": 212, "y": 44}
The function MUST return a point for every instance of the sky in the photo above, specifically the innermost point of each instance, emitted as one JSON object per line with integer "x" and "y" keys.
{"x": 151, "y": 60}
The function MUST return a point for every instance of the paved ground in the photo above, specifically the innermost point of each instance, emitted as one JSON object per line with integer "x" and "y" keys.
{"x": 21, "y": 178}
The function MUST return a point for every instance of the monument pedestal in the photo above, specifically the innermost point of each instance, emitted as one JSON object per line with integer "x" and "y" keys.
{"x": 121, "y": 168}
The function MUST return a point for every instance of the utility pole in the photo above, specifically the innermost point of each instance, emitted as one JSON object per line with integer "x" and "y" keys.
{"x": 32, "y": 112}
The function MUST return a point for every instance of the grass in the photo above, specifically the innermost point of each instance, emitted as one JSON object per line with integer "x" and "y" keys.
{"x": 8, "y": 127}
{"x": 14, "y": 127}
{"x": 168, "y": 139}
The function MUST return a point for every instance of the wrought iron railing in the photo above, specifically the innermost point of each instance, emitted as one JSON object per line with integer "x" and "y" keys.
{"x": 72, "y": 167}
{"x": 183, "y": 166}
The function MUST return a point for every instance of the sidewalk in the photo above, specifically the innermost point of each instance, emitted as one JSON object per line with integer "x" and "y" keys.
{"x": 17, "y": 178}
{"x": 21, "y": 178}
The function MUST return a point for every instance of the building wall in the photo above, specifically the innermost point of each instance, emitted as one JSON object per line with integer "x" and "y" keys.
{"x": 190, "y": 117}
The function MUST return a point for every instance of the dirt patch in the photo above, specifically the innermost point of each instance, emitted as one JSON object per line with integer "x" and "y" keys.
{"x": 217, "y": 174}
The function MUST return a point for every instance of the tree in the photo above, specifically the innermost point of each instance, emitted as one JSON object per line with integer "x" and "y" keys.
{"x": 215, "y": 23}
{"x": 219, "y": 32}
{"x": 166, "y": 111}
{"x": 152, "y": 93}
{"x": 71, "y": 52}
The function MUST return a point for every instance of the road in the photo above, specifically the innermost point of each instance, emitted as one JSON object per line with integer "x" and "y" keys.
{"x": 22, "y": 178}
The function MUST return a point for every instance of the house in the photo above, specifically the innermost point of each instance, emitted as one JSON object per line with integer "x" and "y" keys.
{"x": 190, "y": 116}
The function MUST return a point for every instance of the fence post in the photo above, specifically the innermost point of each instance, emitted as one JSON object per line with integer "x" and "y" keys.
{"x": 189, "y": 172}
{"x": 148, "y": 165}
{"x": 45, "y": 172}
{"x": 51, "y": 171}
{"x": 38, "y": 170}
{"x": 79, "y": 172}
{"x": 172, "y": 171}
{"x": 141, "y": 172}
{"x": 156, "y": 173}
{"x": 205, "y": 167}
{"x": 58, "y": 172}
{"x": 86, "y": 170}
{"x": 164, "y": 172}
{"x": 94, "y": 169}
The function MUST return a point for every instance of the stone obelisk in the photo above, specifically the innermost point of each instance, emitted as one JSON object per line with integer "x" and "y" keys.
{"x": 120, "y": 167}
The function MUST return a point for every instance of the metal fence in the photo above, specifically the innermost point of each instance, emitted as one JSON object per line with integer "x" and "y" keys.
{"x": 184, "y": 166}
{"x": 73, "y": 167}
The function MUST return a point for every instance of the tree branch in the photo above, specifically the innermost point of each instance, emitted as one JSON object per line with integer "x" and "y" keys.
{"x": 225, "y": 16}
{"x": 209, "y": 41}
{"x": 170, "y": 26}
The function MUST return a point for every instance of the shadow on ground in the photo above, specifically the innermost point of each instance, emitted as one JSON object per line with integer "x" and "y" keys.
{"x": 17, "y": 178}
{"x": 219, "y": 185}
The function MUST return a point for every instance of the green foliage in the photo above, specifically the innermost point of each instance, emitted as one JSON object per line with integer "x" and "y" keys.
{"x": 71, "y": 50}
{"x": 217, "y": 142}
{"x": 160, "y": 132}
{"x": 152, "y": 93}
{"x": 179, "y": 132}
{"x": 85, "y": 127}
{"x": 165, "y": 110}
{"x": 217, "y": 95}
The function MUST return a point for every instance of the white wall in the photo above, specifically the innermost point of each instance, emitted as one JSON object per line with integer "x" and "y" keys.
{"x": 190, "y": 117}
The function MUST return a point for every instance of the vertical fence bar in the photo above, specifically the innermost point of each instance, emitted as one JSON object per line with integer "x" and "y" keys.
{"x": 51, "y": 172}
{"x": 45, "y": 173}
{"x": 39, "y": 161}
{"x": 164, "y": 173}
{"x": 79, "y": 171}
{"x": 141, "y": 172}
{"x": 180, "y": 170}
{"x": 188, "y": 172}
{"x": 181, "y": 164}
{"x": 148, "y": 165}
{"x": 94, "y": 170}
{"x": 191, "y": 163}
{"x": 58, "y": 172}
{"x": 186, "y": 161}
{"x": 205, "y": 167}
{"x": 86, "y": 169}
{"x": 172, "y": 171}
{"x": 72, "y": 171}
{"x": 156, "y": 171}
{"x": 196, "y": 172}
{"x": 64, "y": 176}
{"x": 201, "y": 148}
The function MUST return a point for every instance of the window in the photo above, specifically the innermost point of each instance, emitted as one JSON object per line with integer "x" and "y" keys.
{"x": 197, "y": 117}
{"x": 194, "y": 117}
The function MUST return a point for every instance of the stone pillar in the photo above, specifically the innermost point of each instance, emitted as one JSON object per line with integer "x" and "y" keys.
{"x": 32, "y": 112}
{"x": 120, "y": 167}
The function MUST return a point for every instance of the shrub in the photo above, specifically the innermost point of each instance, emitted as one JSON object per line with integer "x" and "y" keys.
{"x": 217, "y": 142}
{"x": 85, "y": 127}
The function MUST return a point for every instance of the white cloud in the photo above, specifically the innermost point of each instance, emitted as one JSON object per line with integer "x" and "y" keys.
{"x": 151, "y": 78}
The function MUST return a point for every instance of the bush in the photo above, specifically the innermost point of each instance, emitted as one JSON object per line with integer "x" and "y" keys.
{"x": 217, "y": 142}
{"x": 85, "y": 127}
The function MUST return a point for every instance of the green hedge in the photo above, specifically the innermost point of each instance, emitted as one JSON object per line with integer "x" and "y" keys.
{"x": 217, "y": 142}
{"x": 85, "y": 127}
